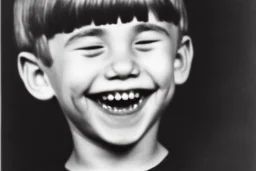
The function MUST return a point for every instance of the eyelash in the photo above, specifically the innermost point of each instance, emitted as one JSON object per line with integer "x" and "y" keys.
{"x": 92, "y": 48}
{"x": 92, "y": 51}
{"x": 146, "y": 42}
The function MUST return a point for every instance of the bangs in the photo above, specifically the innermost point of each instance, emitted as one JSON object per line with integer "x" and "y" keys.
{"x": 56, "y": 16}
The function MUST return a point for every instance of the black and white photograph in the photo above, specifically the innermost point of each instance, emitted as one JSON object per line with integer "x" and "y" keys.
{"x": 128, "y": 85}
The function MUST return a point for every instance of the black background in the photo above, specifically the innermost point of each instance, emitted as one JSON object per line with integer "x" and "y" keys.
{"x": 211, "y": 122}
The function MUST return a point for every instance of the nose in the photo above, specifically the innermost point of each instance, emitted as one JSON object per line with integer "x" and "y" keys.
{"x": 122, "y": 69}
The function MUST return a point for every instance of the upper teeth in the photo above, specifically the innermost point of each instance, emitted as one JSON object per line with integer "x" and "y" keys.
{"x": 121, "y": 96}
{"x": 131, "y": 95}
{"x": 110, "y": 97}
{"x": 125, "y": 96}
{"x": 118, "y": 96}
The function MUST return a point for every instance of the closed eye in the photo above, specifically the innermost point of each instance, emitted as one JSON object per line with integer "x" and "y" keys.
{"x": 91, "y": 48}
{"x": 143, "y": 42}
{"x": 92, "y": 51}
{"x": 146, "y": 45}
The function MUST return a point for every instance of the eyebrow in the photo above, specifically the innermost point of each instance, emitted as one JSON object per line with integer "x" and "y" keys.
{"x": 85, "y": 33}
{"x": 150, "y": 27}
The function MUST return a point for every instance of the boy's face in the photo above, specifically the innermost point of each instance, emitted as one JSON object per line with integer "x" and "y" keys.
{"x": 112, "y": 81}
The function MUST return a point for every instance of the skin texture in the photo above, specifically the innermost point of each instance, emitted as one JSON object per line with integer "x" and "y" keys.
{"x": 94, "y": 59}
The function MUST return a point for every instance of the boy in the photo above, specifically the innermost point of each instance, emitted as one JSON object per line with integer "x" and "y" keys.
{"x": 113, "y": 66}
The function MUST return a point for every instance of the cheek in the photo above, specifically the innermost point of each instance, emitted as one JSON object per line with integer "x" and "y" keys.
{"x": 80, "y": 73}
{"x": 71, "y": 71}
{"x": 74, "y": 74}
{"x": 159, "y": 65}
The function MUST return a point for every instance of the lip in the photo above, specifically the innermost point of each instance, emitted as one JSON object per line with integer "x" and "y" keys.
{"x": 124, "y": 113}
{"x": 126, "y": 110}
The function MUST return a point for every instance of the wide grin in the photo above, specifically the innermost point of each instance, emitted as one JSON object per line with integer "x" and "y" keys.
{"x": 121, "y": 102}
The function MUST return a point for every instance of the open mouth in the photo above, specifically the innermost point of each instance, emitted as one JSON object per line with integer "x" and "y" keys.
{"x": 121, "y": 102}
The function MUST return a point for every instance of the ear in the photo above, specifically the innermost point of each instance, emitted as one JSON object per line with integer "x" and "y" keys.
{"x": 183, "y": 60}
{"x": 35, "y": 80}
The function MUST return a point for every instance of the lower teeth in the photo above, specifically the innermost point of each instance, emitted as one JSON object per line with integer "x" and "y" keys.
{"x": 115, "y": 109}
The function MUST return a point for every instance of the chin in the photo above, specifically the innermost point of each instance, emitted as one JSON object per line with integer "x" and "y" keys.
{"x": 123, "y": 138}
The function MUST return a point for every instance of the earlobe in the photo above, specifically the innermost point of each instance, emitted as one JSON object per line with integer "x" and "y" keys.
{"x": 34, "y": 79}
{"x": 182, "y": 62}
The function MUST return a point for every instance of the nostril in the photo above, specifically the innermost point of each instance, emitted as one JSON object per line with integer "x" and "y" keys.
{"x": 122, "y": 77}
{"x": 122, "y": 70}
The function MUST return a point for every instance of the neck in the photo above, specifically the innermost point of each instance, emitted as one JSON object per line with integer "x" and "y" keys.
{"x": 145, "y": 154}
